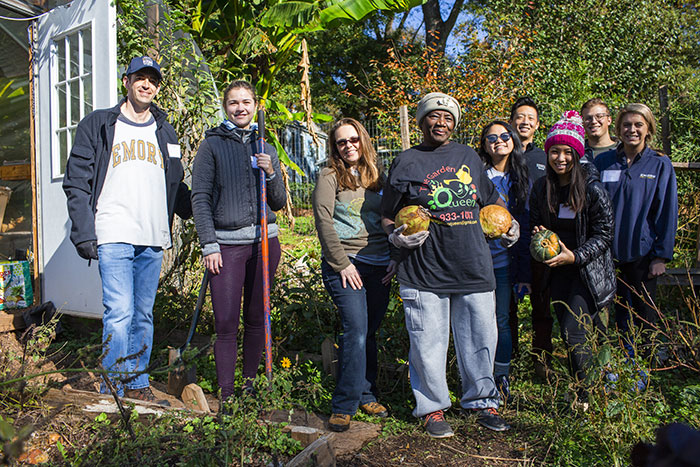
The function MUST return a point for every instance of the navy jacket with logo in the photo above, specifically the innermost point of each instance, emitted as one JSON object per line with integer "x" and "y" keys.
{"x": 645, "y": 200}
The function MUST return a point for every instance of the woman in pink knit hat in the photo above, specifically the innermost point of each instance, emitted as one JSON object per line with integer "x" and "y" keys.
{"x": 571, "y": 201}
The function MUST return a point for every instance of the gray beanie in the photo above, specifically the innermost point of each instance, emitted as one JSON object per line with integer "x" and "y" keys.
{"x": 437, "y": 101}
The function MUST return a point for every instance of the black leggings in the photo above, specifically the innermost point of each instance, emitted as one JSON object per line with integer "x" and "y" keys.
{"x": 577, "y": 312}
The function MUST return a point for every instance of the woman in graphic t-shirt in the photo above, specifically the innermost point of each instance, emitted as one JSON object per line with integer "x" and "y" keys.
{"x": 446, "y": 273}
{"x": 356, "y": 267}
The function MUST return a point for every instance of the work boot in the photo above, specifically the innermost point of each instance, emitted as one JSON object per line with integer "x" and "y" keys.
{"x": 339, "y": 422}
{"x": 375, "y": 408}
{"x": 146, "y": 395}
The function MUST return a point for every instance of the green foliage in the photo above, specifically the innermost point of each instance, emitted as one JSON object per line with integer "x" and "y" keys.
{"x": 242, "y": 435}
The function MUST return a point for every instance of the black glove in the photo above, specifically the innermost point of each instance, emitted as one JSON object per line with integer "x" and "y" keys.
{"x": 87, "y": 250}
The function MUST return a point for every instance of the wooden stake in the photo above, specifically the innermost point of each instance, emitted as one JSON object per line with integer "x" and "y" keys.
{"x": 403, "y": 118}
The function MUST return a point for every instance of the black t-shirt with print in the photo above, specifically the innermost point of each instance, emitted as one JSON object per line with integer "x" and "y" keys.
{"x": 451, "y": 183}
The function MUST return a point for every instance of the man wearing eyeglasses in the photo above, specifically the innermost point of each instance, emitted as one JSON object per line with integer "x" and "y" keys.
{"x": 596, "y": 122}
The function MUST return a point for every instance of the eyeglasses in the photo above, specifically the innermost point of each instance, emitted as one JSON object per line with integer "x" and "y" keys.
{"x": 341, "y": 143}
{"x": 598, "y": 117}
{"x": 505, "y": 137}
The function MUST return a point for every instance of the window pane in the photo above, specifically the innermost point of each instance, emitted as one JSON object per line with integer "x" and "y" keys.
{"x": 74, "y": 102}
{"x": 61, "y": 52}
{"x": 87, "y": 95}
{"x": 63, "y": 150}
{"x": 87, "y": 50}
{"x": 74, "y": 55}
{"x": 62, "y": 122}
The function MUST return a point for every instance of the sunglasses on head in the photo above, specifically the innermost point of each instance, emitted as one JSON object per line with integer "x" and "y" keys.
{"x": 343, "y": 142}
{"x": 493, "y": 138}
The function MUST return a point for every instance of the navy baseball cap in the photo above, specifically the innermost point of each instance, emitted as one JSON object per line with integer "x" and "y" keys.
{"x": 139, "y": 63}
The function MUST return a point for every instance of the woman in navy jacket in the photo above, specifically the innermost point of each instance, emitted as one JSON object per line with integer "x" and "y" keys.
{"x": 642, "y": 186}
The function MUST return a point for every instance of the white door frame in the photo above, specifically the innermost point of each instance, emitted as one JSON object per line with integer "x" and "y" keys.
{"x": 75, "y": 51}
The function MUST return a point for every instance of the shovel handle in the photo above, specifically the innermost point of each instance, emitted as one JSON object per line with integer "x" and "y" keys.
{"x": 197, "y": 309}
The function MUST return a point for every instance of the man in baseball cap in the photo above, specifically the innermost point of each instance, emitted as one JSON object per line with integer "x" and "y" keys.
{"x": 140, "y": 63}
{"x": 123, "y": 182}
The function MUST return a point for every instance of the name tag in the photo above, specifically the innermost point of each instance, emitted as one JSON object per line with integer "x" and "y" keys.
{"x": 174, "y": 151}
{"x": 649, "y": 176}
{"x": 611, "y": 175}
{"x": 565, "y": 212}
{"x": 540, "y": 166}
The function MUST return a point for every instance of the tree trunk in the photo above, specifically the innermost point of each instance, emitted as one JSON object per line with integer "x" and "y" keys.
{"x": 436, "y": 30}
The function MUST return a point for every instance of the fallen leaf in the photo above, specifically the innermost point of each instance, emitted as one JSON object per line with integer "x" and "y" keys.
{"x": 37, "y": 456}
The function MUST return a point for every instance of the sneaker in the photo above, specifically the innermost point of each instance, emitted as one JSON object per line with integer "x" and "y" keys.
{"x": 146, "y": 395}
{"x": 436, "y": 426}
{"x": 490, "y": 419}
{"x": 375, "y": 408}
{"x": 339, "y": 422}
{"x": 503, "y": 387}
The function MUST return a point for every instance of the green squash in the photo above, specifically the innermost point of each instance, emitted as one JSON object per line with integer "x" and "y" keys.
{"x": 544, "y": 245}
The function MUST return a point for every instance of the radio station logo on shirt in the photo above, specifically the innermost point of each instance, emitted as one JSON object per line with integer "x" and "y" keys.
{"x": 451, "y": 189}
{"x": 136, "y": 149}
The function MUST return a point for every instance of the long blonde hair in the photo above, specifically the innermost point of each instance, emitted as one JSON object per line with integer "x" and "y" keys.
{"x": 370, "y": 175}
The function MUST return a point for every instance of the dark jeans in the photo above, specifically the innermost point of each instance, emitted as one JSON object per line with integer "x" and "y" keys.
{"x": 504, "y": 348}
{"x": 578, "y": 313}
{"x": 240, "y": 277}
{"x": 636, "y": 276}
{"x": 542, "y": 320}
{"x": 361, "y": 312}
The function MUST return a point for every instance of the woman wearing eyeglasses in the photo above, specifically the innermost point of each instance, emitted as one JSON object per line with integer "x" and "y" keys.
{"x": 570, "y": 201}
{"x": 356, "y": 266}
{"x": 502, "y": 153}
{"x": 642, "y": 185}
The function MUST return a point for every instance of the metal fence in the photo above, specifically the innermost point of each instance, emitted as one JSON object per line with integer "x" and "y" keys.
{"x": 302, "y": 150}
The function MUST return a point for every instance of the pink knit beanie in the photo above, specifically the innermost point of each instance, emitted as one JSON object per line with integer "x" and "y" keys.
{"x": 568, "y": 130}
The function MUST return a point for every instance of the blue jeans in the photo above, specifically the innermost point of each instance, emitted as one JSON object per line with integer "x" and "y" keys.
{"x": 361, "y": 312}
{"x": 473, "y": 321}
{"x": 130, "y": 276}
{"x": 504, "y": 348}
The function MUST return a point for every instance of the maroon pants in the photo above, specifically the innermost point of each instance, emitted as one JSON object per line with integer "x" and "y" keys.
{"x": 240, "y": 277}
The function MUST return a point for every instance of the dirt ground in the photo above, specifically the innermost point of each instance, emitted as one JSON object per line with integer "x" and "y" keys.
{"x": 55, "y": 416}
{"x": 472, "y": 445}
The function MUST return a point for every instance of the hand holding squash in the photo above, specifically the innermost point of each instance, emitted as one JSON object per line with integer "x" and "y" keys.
{"x": 565, "y": 257}
{"x": 509, "y": 238}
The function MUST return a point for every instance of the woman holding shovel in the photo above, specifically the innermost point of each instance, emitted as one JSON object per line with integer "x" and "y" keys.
{"x": 356, "y": 266}
{"x": 225, "y": 201}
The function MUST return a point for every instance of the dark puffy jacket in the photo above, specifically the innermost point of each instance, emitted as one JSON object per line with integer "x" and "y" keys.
{"x": 86, "y": 169}
{"x": 594, "y": 232}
